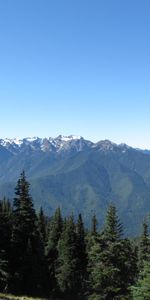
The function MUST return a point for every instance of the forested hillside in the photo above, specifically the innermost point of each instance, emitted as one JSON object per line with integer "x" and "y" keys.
{"x": 80, "y": 176}
{"x": 58, "y": 258}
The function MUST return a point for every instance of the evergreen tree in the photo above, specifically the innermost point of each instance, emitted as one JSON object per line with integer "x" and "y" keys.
{"x": 67, "y": 274}
{"x": 142, "y": 289}
{"x": 27, "y": 261}
{"x": 95, "y": 251}
{"x": 94, "y": 225}
{"x": 82, "y": 255}
{"x": 144, "y": 249}
{"x": 55, "y": 230}
{"x": 101, "y": 265}
{"x": 113, "y": 228}
{"x": 42, "y": 225}
{"x": 5, "y": 234}
{"x": 112, "y": 261}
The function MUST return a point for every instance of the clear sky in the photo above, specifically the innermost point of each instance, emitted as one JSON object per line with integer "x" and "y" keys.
{"x": 75, "y": 67}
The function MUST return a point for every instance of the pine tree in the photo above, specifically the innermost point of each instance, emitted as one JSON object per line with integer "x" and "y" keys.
{"x": 27, "y": 261}
{"x": 67, "y": 275}
{"x": 113, "y": 228}
{"x": 55, "y": 230}
{"x": 5, "y": 234}
{"x": 81, "y": 255}
{"x": 94, "y": 225}
{"x": 112, "y": 261}
{"x": 42, "y": 225}
{"x": 95, "y": 268}
{"x": 144, "y": 248}
{"x": 141, "y": 291}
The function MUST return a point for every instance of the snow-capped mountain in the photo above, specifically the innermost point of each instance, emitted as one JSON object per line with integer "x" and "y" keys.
{"x": 106, "y": 146}
{"x": 59, "y": 144}
{"x": 79, "y": 175}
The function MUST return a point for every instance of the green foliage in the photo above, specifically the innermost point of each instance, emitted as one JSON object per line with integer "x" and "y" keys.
{"x": 112, "y": 261}
{"x": 94, "y": 225}
{"x": 42, "y": 225}
{"x": 67, "y": 273}
{"x": 144, "y": 247}
{"x": 5, "y": 234}
{"x": 82, "y": 259}
{"x": 113, "y": 228}
{"x": 64, "y": 261}
{"x": 27, "y": 259}
{"x": 84, "y": 181}
{"x": 142, "y": 289}
{"x": 55, "y": 230}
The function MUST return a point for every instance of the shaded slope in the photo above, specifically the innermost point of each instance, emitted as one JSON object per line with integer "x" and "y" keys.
{"x": 83, "y": 180}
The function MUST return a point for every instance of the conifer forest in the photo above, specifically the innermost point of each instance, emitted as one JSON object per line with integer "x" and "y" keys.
{"x": 56, "y": 257}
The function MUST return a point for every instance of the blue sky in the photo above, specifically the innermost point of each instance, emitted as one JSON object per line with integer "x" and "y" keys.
{"x": 76, "y": 67}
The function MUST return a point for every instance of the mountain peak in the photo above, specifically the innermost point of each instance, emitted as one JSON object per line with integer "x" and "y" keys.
{"x": 62, "y": 143}
{"x": 7, "y": 141}
{"x": 68, "y": 138}
{"x": 57, "y": 144}
{"x": 106, "y": 145}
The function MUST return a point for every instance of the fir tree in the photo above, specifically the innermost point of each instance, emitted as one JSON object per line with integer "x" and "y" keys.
{"x": 82, "y": 255}
{"x": 55, "y": 230}
{"x": 42, "y": 225}
{"x": 113, "y": 228}
{"x": 141, "y": 291}
{"x": 95, "y": 251}
{"x": 112, "y": 261}
{"x": 94, "y": 225}
{"x": 67, "y": 275}
{"x": 144, "y": 248}
{"x": 5, "y": 234}
{"x": 27, "y": 261}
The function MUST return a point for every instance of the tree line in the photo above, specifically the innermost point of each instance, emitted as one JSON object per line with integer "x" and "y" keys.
{"x": 57, "y": 258}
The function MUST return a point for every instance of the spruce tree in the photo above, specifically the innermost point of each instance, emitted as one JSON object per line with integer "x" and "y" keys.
{"x": 141, "y": 291}
{"x": 42, "y": 225}
{"x": 95, "y": 267}
{"x": 113, "y": 228}
{"x": 112, "y": 261}
{"x": 94, "y": 225}
{"x": 67, "y": 274}
{"x": 55, "y": 230}
{"x": 27, "y": 261}
{"x": 144, "y": 247}
{"x": 81, "y": 255}
{"x": 5, "y": 239}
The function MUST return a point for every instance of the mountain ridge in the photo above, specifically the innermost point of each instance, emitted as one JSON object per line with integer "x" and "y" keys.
{"x": 57, "y": 143}
{"x": 80, "y": 176}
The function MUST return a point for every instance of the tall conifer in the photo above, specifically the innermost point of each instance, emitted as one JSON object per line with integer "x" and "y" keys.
{"x": 27, "y": 252}
{"x": 5, "y": 241}
{"x": 67, "y": 274}
{"x": 55, "y": 230}
{"x": 81, "y": 255}
{"x": 144, "y": 248}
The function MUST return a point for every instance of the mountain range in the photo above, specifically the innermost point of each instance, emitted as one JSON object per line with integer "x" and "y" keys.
{"x": 80, "y": 176}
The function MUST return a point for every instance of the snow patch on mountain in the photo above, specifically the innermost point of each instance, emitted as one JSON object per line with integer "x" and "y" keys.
{"x": 60, "y": 144}
{"x": 16, "y": 141}
{"x": 69, "y": 138}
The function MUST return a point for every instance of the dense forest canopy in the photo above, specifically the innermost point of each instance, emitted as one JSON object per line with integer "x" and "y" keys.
{"x": 58, "y": 258}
